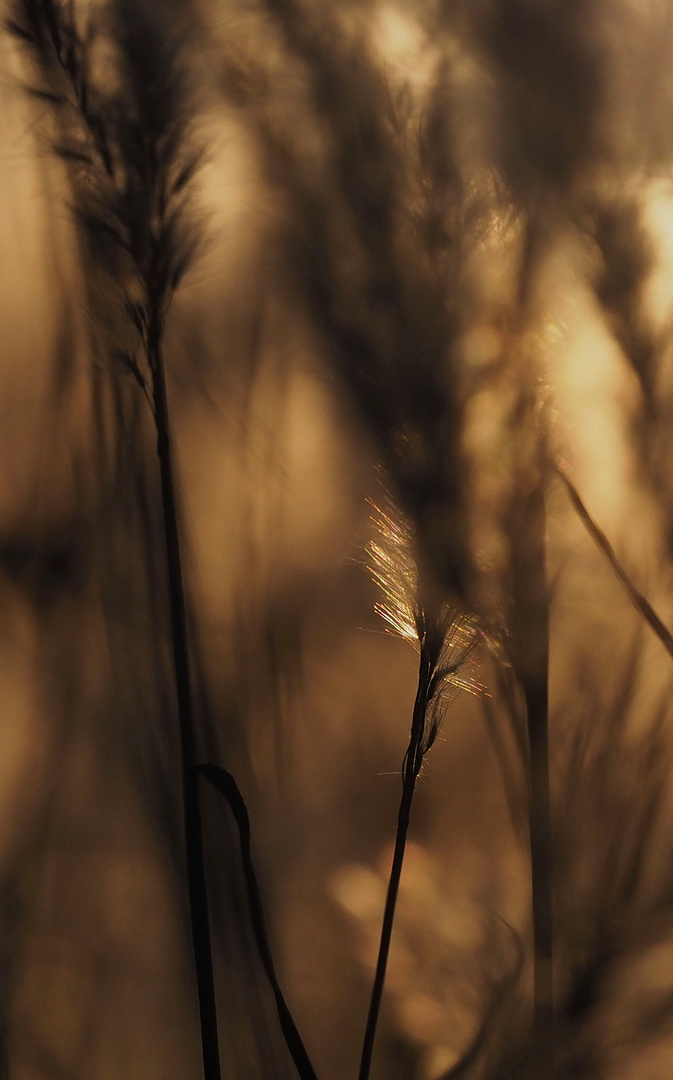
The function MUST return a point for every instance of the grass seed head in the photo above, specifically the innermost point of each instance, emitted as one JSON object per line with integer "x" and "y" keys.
{"x": 436, "y": 628}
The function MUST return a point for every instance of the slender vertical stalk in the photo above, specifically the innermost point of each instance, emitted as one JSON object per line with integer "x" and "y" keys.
{"x": 531, "y": 603}
{"x": 412, "y": 765}
{"x": 196, "y": 873}
{"x": 536, "y": 695}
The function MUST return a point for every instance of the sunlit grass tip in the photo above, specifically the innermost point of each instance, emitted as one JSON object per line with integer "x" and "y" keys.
{"x": 439, "y": 629}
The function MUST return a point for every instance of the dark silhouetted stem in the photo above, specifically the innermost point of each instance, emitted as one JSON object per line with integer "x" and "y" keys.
{"x": 196, "y": 873}
{"x": 531, "y": 613}
{"x": 411, "y": 768}
{"x": 637, "y": 599}
{"x": 541, "y": 867}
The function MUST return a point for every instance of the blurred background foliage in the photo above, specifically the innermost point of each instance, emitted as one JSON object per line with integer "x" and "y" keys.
{"x": 433, "y": 237}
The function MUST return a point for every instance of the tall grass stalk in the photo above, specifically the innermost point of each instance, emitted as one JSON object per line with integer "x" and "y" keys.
{"x": 129, "y": 171}
{"x": 196, "y": 873}
{"x": 412, "y": 764}
{"x": 530, "y": 596}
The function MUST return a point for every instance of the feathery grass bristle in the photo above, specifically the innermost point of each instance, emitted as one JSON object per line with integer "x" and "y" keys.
{"x": 442, "y": 632}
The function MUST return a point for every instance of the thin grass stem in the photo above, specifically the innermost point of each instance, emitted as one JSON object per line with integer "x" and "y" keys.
{"x": 411, "y": 767}
{"x": 196, "y": 872}
{"x": 531, "y": 613}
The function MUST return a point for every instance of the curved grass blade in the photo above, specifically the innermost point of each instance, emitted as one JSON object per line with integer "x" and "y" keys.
{"x": 227, "y": 786}
{"x": 598, "y": 536}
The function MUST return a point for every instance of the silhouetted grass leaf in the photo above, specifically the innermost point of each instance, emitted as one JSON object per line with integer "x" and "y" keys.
{"x": 70, "y": 153}
{"x": 55, "y": 100}
{"x": 224, "y": 782}
{"x": 19, "y": 31}
{"x": 639, "y": 602}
